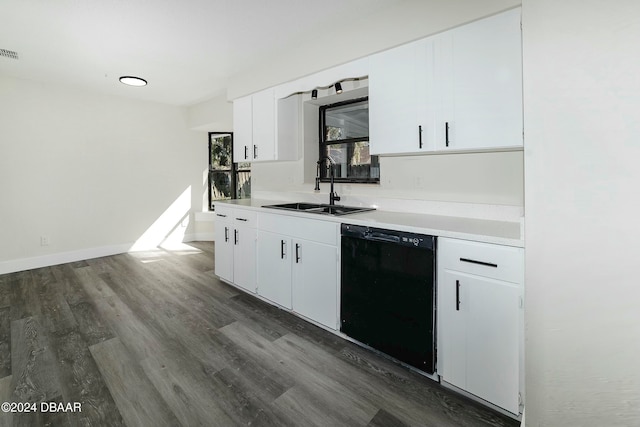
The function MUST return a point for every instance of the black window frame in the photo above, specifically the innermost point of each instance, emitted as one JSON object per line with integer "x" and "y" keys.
{"x": 323, "y": 144}
{"x": 233, "y": 170}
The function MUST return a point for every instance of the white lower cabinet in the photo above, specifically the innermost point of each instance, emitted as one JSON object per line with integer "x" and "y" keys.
{"x": 274, "y": 267}
{"x": 297, "y": 261}
{"x": 235, "y": 247}
{"x": 223, "y": 247}
{"x": 480, "y": 320}
{"x": 315, "y": 284}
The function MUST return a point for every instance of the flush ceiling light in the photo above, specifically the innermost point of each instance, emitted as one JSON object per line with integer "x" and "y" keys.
{"x": 133, "y": 81}
{"x": 314, "y": 94}
{"x": 338, "y": 87}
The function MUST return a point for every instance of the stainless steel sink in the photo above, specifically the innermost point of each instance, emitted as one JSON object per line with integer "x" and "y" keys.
{"x": 335, "y": 210}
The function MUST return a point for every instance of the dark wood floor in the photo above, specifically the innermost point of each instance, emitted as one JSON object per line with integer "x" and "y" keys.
{"x": 154, "y": 339}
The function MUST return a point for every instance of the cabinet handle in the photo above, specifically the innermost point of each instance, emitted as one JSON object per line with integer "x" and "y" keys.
{"x": 282, "y": 249}
{"x": 420, "y": 135}
{"x": 446, "y": 133}
{"x": 297, "y": 253}
{"x": 223, "y": 216}
{"x": 473, "y": 261}
{"x": 242, "y": 219}
{"x": 235, "y": 236}
{"x": 246, "y": 152}
{"x": 457, "y": 295}
{"x": 255, "y": 151}
{"x": 226, "y": 234}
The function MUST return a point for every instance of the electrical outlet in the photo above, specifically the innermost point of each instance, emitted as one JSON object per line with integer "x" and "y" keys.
{"x": 44, "y": 240}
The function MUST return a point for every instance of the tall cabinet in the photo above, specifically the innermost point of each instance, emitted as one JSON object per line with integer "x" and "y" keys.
{"x": 480, "y": 318}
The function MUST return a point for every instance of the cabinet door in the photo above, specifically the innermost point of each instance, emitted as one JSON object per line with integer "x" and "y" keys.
{"x": 479, "y": 336}
{"x": 244, "y": 257}
{"x": 401, "y": 116}
{"x": 493, "y": 340}
{"x": 288, "y": 127}
{"x": 479, "y": 70}
{"x": 274, "y": 267}
{"x": 315, "y": 282}
{"x": 242, "y": 129}
{"x": 452, "y": 328}
{"x": 264, "y": 131}
{"x": 223, "y": 236}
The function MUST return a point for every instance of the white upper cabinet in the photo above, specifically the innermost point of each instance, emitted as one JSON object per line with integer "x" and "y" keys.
{"x": 260, "y": 132}
{"x": 242, "y": 129}
{"x": 401, "y": 98}
{"x": 264, "y": 125}
{"x": 478, "y": 68}
{"x": 458, "y": 90}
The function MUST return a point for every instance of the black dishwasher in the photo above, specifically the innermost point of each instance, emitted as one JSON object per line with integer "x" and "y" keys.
{"x": 387, "y": 292}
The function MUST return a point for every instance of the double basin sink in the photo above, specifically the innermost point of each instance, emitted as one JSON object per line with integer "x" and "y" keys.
{"x": 335, "y": 210}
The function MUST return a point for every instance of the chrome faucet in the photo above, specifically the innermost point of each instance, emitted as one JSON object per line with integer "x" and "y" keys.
{"x": 333, "y": 196}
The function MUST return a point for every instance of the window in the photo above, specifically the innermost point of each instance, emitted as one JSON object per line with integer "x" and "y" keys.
{"x": 344, "y": 136}
{"x": 227, "y": 180}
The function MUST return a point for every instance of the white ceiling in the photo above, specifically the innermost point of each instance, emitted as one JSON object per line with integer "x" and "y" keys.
{"x": 186, "y": 49}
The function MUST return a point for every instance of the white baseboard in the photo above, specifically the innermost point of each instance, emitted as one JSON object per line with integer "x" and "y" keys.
{"x": 201, "y": 237}
{"x": 22, "y": 264}
{"x": 61, "y": 258}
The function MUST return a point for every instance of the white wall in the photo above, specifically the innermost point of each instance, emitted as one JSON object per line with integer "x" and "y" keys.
{"x": 363, "y": 35}
{"x": 213, "y": 115}
{"x": 483, "y": 178}
{"x": 91, "y": 171}
{"x": 582, "y": 204}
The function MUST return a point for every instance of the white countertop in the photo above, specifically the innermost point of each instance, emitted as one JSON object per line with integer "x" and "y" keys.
{"x": 481, "y": 230}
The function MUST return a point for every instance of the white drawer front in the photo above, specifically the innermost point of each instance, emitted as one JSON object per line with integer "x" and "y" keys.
{"x": 246, "y": 217}
{"x": 223, "y": 212}
{"x": 300, "y": 228}
{"x": 484, "y": 259}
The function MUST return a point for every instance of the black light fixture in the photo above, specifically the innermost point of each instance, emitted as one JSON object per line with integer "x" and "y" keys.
{"x": 338, "y": 87}
{"x": 314, "y": 94}
{"x": 133, "y": 81}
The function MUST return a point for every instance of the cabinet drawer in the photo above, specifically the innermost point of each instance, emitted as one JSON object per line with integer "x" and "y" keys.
{"x": 223, "y": 212}
{"x": 300, "y": 228}
{"x": 483, "y": 259}
{"x": 245, "y": 217}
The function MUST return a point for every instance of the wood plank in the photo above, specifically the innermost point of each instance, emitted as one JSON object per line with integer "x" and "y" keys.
{"x": 5, "y": 342}
{"x": 313, "y": 388}
{"x": 43, "y": 277}
{"x": 134, "y": 334}
{"x": 71, "y": 287}
{"x": 189, "y": 392}
{"x": 6, "y": 418}
{"x": 5, "y": 291}
{"x": 90, "y": 325}
{"x": 57, "y": 317}
{"x": 385, "y": 419}
{"x": 92, "y": 284}
{"x": 138, "y": 401}
{"x": 33, "y": 364}
{"x": 82, "y": 382}
{"x": 25, "y": 301}
{"x": 172, "y": 325}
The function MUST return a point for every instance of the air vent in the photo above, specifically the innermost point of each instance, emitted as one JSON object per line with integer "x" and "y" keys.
{"x": 8, "y": 54}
